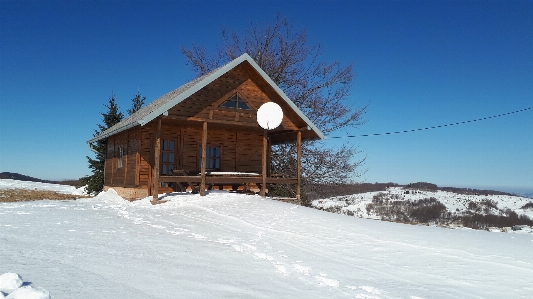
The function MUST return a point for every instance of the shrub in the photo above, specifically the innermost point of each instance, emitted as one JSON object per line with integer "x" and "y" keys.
{"x": 426, "y": 210}
{"x": 528, "y": 205}
{"x": 491, "y": 204}
{"x": 379, "y": 197}
{"x": 423, "y": 210}
{"x": 479, "y": 221}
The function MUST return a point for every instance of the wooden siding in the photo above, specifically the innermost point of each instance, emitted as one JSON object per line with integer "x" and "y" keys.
{"x": 226, "y": 140}
{"x": 249, "y": 147}
{"x": 127, "y": 174}
{"x": 108, "y": 168}
{"x": 146, "y": 156}
{"x": 205, "y": 103}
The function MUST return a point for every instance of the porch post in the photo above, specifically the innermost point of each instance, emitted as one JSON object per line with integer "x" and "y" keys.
{"x": 298, "y": 163}
{"x": 264, "y": 166}
{"x": 157, "y": 155}
{"x": 204, "y": 152}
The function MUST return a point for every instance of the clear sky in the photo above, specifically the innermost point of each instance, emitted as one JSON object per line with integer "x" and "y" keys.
{"x": 417, "y": 64}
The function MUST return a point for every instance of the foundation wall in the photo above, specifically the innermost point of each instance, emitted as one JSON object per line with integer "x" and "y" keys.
{"x": 129, "y": 193}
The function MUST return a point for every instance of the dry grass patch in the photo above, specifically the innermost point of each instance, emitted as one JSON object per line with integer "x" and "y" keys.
{"x": 15, "y": 195}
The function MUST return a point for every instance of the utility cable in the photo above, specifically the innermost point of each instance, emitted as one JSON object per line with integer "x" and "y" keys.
{"x": 433, "y": 127}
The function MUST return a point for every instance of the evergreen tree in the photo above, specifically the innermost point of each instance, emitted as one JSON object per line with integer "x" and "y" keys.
{"x": 95, "y": 182}
{"x": 136, "y": 103}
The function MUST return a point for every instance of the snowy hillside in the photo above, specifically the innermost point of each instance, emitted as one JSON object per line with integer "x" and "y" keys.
{"x": 456, "y": 204}
{"x": 229, "y": 245}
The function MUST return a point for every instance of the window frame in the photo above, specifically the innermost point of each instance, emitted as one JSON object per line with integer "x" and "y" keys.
{"x": 169, "y": 163}
{"x": 238, "y": 99}
{"x": 210, "y": 160}
{"x": 120, "y": 160}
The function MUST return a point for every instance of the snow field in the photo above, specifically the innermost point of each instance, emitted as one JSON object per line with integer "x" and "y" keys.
{"x": 228, "y": 245}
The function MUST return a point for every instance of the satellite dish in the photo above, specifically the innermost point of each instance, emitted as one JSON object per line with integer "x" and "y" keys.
{"x": 269, "y": 116}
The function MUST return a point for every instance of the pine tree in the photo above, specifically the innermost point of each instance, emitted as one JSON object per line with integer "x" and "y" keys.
{"x": 95, "y": 182}
{"x": 136, "y": 103}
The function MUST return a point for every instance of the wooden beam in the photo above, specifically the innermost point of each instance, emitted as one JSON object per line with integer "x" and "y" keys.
{"x": 298, "y": 163}
{"x": 113, "y": 171}
{"x": 125, "y": 153}
{"x": 226, "y": 180}
{"x": 138, "y": 147}
{"x": 218, "y": 121}
{"x": 264, "y": 164}
{"x": 157, "y": 154}
{"x": 236, "y": 150}
{"x": 269, "y": 157}
{"x": 204, "y": 152}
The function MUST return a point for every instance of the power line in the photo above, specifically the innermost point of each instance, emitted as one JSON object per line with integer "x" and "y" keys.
{"x": 433, "y": 127}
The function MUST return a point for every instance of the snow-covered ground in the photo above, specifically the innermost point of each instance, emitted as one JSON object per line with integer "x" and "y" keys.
{"x": 454, "y": 202}
{"x": 15, "y": 184}
{"x": 229, "y": 245}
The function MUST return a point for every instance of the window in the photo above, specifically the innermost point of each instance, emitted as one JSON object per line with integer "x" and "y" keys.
{"x": 168, "y": 156}
{"x": 236, "y": 101}
{"x": 212, "y": 158}
{"x": 120, "y": 156}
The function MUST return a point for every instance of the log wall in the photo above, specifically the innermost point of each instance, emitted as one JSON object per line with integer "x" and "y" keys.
{"x": 125, "y": 176}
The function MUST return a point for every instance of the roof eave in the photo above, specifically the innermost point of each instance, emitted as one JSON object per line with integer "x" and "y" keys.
{"x": 110, "y": 133}
{"x": 196, "y": 87}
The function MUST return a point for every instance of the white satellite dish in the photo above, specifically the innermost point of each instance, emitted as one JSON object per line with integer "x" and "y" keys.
{"x": 269, "y": 116}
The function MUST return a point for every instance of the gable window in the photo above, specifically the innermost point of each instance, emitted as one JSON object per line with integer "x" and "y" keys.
{"x": 212, "y": 158}
{"x": 237, "y": 102}
{"x": 168, "y": 155}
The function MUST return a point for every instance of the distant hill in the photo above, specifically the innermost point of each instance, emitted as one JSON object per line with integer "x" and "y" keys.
{"x": 318, "y": 191}
{"x": 529, "y": 195}
{"x": 21, "y": 177}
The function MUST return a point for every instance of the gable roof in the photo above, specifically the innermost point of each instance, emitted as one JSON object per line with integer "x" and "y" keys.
{"x": 171, "y": 99}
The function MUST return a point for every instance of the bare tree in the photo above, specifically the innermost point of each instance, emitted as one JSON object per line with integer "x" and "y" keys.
{"x": 319, "y": 89}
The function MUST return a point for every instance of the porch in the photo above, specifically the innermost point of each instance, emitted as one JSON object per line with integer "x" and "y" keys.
{"x": 206, "y": 178}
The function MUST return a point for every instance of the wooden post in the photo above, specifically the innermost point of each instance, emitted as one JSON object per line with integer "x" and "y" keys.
{"x": 113, "y": 171}
{"x": 125, "y": 153}
{"x": 204, "y": 160}
{"x": 138, "y": 147}
{"x": 298, "y": 163}
{"x": 264, "y": 166}
{"x": 269, "y": 157}
{"x": 157, "y": 154}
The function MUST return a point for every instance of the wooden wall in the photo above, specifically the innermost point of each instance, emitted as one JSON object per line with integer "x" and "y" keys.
{"x": 205, "y": 103}
{"x": 126, "y": 175}
{"x": 240, "y": 151}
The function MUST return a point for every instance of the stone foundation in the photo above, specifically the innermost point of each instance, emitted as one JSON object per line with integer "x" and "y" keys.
{"x": 129, "y": 193}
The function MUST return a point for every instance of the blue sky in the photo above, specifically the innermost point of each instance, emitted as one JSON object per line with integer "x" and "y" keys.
{"x": 417, "y": 64}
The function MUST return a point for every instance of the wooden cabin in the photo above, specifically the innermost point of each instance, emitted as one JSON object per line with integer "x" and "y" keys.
{"x": 204, "y": 134}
